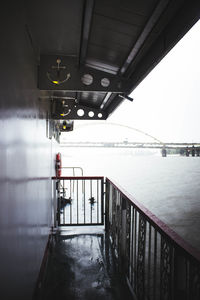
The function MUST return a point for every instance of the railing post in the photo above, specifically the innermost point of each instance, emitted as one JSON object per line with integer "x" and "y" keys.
{"x": 107, "y": 200}
{"x": 102, "y": 202}
{"x": 123, "y": 237}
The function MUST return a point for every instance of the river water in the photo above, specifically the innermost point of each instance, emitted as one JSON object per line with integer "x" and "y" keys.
{"x": 169, "y": 187}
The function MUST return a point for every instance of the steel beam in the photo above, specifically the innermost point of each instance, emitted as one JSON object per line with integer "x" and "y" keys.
{"x": 183, "y": 19}
{"x": 87, "y": 20}
{"x": 144, "y": 34}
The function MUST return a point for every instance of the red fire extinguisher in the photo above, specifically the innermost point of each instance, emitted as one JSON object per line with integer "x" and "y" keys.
{"x": 58, "y": 164}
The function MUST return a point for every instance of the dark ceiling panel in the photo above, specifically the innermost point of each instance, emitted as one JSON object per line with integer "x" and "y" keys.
{"x": 86, "y": 27}
{"x": 115, "y": 29}
{"x": 100, "y": 65}
{"x": 114, "y": 25}
{"x": 56, "y": 25}
{"x": 131, "y": 11}
{"x": 98, "y": 54}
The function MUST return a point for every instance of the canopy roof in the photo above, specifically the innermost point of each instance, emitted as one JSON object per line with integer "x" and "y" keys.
{"x": 93, "y": 53}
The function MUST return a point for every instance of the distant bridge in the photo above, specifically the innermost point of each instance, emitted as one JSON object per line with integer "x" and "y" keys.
{"x": 155, "y": 144}
{"x": 125, "y": 144}
{"x": 122, "y": 126}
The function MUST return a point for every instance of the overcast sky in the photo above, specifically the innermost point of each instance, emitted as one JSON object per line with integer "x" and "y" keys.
{"x": 167, "y": 103}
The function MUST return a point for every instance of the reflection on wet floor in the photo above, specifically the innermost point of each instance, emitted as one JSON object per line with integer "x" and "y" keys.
{"x": 82, "y": 267}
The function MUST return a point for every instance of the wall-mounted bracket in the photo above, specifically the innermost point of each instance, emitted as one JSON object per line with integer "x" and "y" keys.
{"x": 62, "y": 73}
{"x": 66, "y": 125}
{"x": 123, "y": 96}
{"x": 70, "y": 110}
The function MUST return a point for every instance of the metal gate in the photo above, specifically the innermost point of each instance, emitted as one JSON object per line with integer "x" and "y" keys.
{"x": 80, "y": 201}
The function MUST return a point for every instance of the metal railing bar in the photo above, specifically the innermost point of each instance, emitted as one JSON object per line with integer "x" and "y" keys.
{"x": 82, "y": 224}
{"x": 57, "y": 214}
{"x": 102, "y": 200}
{"x": 129, "y": 246}
{"x": 128, "y": 238}
{"x": 71, "y": 205}
{"x": 149, "y": 258}
{"x": 63, "y": 189}
{"x": 155, "y": 264}
{"x": 188, "y": 279}
{"x": 132, "y": 245}
{"x": 84, "y": 199}
{"x": 91, "y": 203}
{"x": 73, "y": 169}
{"x": 135, "y": 249}
{"x": 77, "y": 177}
{"x": 77, "y": 200}
{"x": 97, "y": 201}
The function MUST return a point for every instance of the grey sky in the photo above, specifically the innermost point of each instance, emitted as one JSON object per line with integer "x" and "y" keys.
{"x": 167, "y": 102}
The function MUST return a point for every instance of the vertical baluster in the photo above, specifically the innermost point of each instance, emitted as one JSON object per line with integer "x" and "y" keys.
{"x": 187, "y": 279}
{"x": 135, "y": 251}
{"x": 82, "y": 203}
{"x": 97, "y": 201}
{"x": 84, "y": 199}
{"x": 119, "y": 224}
{"x": 130, "y": 244}
{"x": 59, "y": 195}
{"x": 149, "y": 262}
{"x": 113, "y": 216}
{"x": 58, "y": 202}
{"x": 141, "y": 257}
{"x": 102, "y": 201}
{"x": 91, "y": 203}
{"x": 167, "y": 271}
{"x": 63, "y": 195}
{"x": 132, "y": 236}
{"x": 155, "y": 264}
{"x": 107, "y": 206}
{"x": 77, "y": 202}
{"x": 70, "y": 188}
{"x": 128, "y": 236}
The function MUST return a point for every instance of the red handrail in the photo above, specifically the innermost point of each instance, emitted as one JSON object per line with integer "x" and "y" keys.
{"x": 158, "y": 224}
{"x": 77, "y": 177}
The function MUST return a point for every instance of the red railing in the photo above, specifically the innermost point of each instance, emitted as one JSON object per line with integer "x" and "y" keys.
{"x": 80, "y": 200}
{"x": 157, "y": 263}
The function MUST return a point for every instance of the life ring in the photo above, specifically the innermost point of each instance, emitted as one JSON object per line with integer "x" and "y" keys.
{"x": 58, "y": 164}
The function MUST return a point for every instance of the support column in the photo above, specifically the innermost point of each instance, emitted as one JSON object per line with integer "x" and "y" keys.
{"x": 164, "y": 152}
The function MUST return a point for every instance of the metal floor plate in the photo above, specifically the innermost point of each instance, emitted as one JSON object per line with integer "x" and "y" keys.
{"x": 82, "y": 267}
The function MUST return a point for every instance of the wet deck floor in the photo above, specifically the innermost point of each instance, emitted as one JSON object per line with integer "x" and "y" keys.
{"x": 81, "y": 266}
